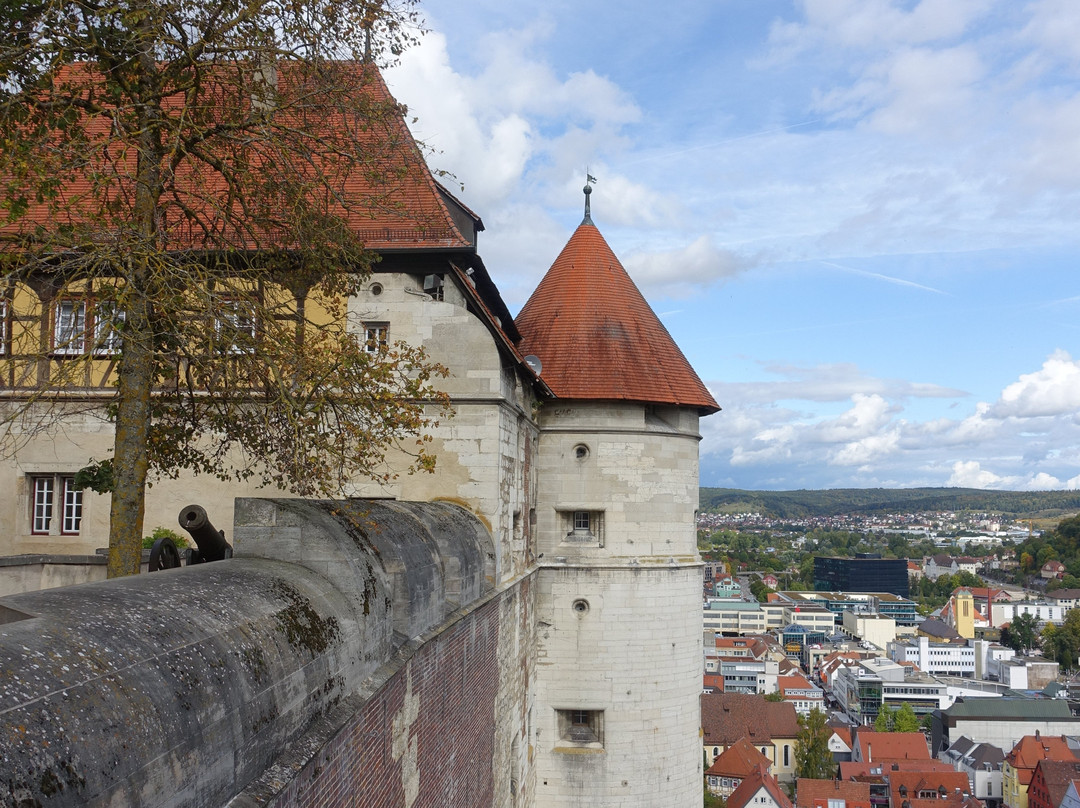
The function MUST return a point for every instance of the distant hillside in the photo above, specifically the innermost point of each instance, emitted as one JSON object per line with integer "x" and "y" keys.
{"x": 832, "y": 502}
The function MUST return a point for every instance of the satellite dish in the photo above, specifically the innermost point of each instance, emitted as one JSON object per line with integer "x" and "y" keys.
{"x": 534, "y": 363}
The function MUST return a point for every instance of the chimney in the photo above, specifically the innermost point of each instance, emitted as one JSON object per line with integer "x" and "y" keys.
{"x": 869, "y": 753}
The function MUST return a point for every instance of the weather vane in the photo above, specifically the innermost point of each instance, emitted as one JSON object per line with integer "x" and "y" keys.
{"x": 589, "y": 178}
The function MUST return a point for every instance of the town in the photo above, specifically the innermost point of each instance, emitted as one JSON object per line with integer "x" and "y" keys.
{"x": 834, "y": 681}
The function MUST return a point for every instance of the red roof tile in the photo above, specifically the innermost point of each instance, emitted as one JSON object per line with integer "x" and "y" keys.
{"x": 1030, "y": 750}
{"x": 596, "y": 336}
{"x": 391, "y": 202}
{"x": 727, "y": 717}
{"x": 753, "y": 783}
{"x": 810, "y": 793}
{"x": 738, "y": 760}
{"x": 878, "y": 747}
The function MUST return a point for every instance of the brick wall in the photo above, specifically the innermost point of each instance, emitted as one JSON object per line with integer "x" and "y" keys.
{"x": 427, "y": 736}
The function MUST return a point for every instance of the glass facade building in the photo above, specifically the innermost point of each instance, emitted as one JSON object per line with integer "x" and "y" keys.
{"x": 864, "y": 573}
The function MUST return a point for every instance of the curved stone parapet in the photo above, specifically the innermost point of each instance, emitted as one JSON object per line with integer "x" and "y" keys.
{"x": 181, "y": 687}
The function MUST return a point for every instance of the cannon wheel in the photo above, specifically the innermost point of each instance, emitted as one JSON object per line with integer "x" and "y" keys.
{"x": 164, "y": 555}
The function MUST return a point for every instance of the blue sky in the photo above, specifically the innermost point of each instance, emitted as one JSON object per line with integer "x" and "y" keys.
{"x": 860, "y": 219}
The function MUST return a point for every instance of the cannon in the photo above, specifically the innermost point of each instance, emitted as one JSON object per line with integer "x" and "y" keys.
{"x": 211, "y": 542}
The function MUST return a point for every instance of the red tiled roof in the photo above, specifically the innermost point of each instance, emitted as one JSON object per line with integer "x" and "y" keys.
{"x": 914, "y": 782}
{"x": 879, "y": 769}
{"x": 391, "y": 201}
{"x": 795, "y": 682}
{"x": 1029, "y": 750}
{"x": 596, "y": 336}
{"x": 738, "y": 760}
{"x": 727, "y": 717}
{"x": 889, "y": 746}
{"x": 809, "y": 793}
{"x": 758, "y": 779}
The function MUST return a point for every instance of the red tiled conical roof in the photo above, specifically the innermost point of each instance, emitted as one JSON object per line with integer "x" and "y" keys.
{"x": 597, "y": 338}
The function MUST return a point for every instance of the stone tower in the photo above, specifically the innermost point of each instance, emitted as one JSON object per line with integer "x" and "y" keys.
{"x": 619, "y": 585}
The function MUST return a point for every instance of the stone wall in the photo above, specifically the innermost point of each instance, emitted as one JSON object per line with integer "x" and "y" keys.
{"x": 361, "y": 638}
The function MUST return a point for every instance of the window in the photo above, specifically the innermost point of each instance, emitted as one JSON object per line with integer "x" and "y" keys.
{"x": 75, "y": 319}
{"x": 583, "y": 527}
{"x": 581, "y": 728}
{"x": 69, "y": 327}
{"x": 49, "y": 492}
{"x": 376, "y": 337}
{"x": 234, "y": 325}
{"x": 108, "y": 322}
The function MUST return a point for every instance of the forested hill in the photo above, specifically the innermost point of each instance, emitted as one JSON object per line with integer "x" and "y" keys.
{"x": 833, "y": 502}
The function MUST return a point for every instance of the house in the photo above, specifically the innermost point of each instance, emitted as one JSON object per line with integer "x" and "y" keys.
{"x": 1072, "y": 795}
{"x": 798, "y": 691}
{"x": 1065, "y": 598}
{"x": 831, "y": 794}
{"x": 915, "y": 787}
{"x": 770, "y": 580}
{"x": 1052, "y": 569}
{"x": 733, "y": 765}
{"x": 771, "y": 727}
{"x": 1051, "y": 781}
{"x": 759, "y": 790}
{"x": 840, "y": 741}
{"x": 982, "y": 763}
{"x": 1020, "y": 763}
{"x": 888, "y": 747}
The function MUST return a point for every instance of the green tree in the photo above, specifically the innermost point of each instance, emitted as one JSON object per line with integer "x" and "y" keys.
{"x": 905, "y": 719}
{"x": 885, "y": 719}
{"x": 776, "y": 697}
{"x": 1020, "y": 634}
{"x": 211, "y": 144}
{"x": 812, "y": 756}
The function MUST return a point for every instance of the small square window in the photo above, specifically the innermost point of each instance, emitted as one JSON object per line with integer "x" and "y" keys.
{"x": 583, "y": 527}
{"x": 581, "y": 728}
{"x": 376, "y": 336}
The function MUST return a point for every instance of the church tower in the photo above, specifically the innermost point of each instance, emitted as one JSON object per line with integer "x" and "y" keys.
{"x": 619, "y": 587}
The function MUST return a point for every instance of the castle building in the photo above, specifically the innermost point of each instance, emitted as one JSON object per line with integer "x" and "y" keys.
{"x": 574, "y": 444}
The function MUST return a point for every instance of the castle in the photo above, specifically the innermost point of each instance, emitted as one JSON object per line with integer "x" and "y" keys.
{"x": 521, "y": 628}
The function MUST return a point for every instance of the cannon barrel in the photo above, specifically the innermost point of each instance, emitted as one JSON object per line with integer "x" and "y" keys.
{"x": 211, "y": 541}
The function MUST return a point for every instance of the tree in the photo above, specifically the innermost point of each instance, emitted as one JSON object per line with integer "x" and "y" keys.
{"x": 812, "y": 756}
{"x": 1020, "y": 633}
{"x": 776, "y": 696}
{"x": 184, "y": 173}
{"x": 905, "y": 720}
{"x": 884, "y": 720}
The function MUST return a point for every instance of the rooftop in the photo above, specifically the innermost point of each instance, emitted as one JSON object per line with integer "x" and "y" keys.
{"x": 596, "y": 336}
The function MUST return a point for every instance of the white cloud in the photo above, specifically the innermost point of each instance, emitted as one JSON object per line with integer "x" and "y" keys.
{"x": 1028, "y": 440}
{"x": 1053, "y": 390}
{"x": 677, "y": 273}
{"x": 969, "y": 474}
